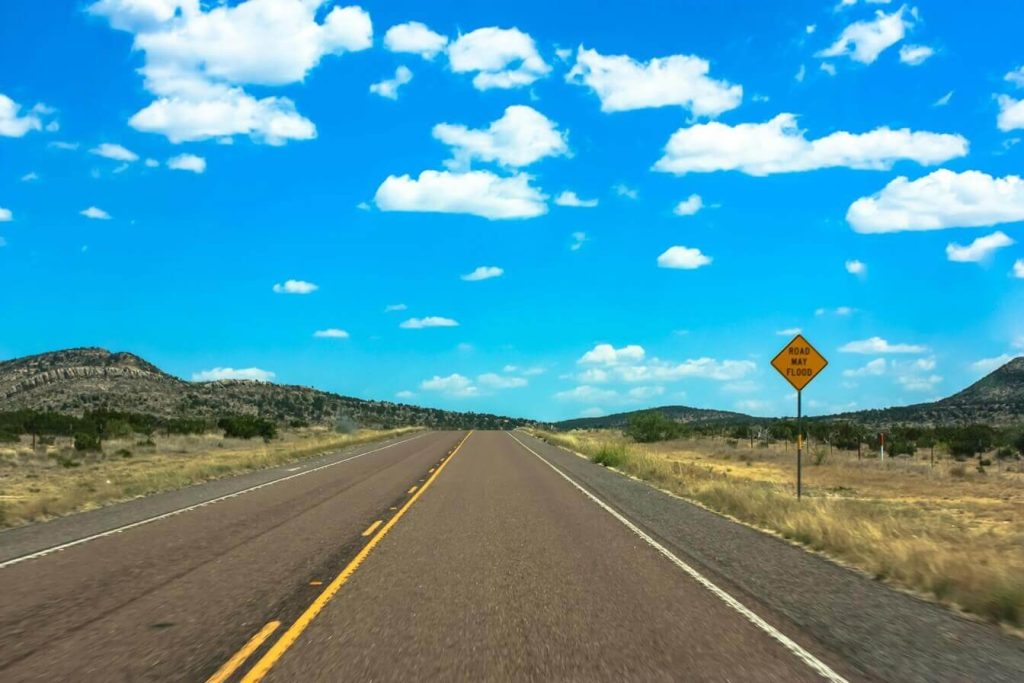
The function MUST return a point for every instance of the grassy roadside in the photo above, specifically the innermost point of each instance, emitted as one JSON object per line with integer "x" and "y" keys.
{"x": 954, "y": 535}
{"x": 36, "y": 485}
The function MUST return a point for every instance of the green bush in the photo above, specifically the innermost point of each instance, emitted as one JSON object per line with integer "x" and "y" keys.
{"x": 610, "y": 455}
{"x": 9, "y": 437}
{"x": 247, "y": 427}
{"x": 87, "y": 441}
{"x": 650, "y": 426}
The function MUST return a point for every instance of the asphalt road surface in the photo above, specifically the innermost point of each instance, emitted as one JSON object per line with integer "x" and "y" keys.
{"x": 448, "y": 556}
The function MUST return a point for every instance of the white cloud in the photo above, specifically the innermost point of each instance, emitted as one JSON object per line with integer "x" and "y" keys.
{"x": 429, "y": 321}
{"x": 453, "y": 385}
{"x": 295, "y": 287}
{"x": 395, "y": 307}
{"x": 606, "y": 354}
{"x": 480, "y": 193}
{"x": 684, "y": 258}
{"x": 96, "y": 213}
{"x": 844, "y": 310}
{"x": 789, "y": 332}
{"x": 811, "y": 28}
{"x": 879, "y": 345}
{"x": 405, "y": 394}
{"x": 587, "y": 394}
{"x": 1016, "y": 76}
{"x": 30, "y": 177}
{"x": 527, "y": 372}
{"x": 196, "y": 59}
{"x": 645, "y": 393}
{"x": 389, "y": 87}
{"x": 780, "y": 146}
{"x": 331, "y": 333}
{"x": 1018, "y": 269}
{"x": 187, "y": 162}
{"x": 5, "y": 215}
{"x": 483, "y": 273}
{"x": 569, "y": 198}
{"x": 115, "y": 152}
{"x": 519, "y": 138}
{"x": 915, "y": 55}
{"x": 919, "y": 382}
{"x": 501, "y": 58}
{"x": 944, "y": 100}
{"x": 987, "y": 365}
{"x": 1011, "y": 113}
{"x": 979, "y": 250}
{"x": 578, "y": 240}
{"x": 217, "y": 374}
{"x": 623, "y": 83}
{"x": 626, "y": 191}
{"x": 863, "y": 41}
{"x": 855, "y": 267}
{"x": 689, "y": 206}
{"x": 151, "y": 163}
{"x": 493, "y": 380}
{"x": 873, "y": 368}
{"x": 57, "y": 144}
{"x": 11, "y": 124}
{"x": 414, "y": 37}
{"x": 828, "y": 67}
{"x": 592, "y": 412}
{"x": 801, "y": 73}
{"x": 942, "y": 199}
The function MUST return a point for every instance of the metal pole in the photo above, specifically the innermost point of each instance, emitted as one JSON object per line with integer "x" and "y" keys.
{"x": 799, "y": 444}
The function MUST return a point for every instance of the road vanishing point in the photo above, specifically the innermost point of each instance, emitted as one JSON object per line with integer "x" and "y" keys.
{"x": 454, "y": 556}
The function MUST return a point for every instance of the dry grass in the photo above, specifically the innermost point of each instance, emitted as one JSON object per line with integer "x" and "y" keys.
{"x": 948, "y": 531}
{"x": 54, "y": 481}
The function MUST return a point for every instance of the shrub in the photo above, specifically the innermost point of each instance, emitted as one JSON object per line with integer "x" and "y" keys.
{"x": 124, "y": 453}
{"x": 610, "y": 455}
{"x": 247, "y": 426}
{"x": 650, "y": 426}
{"x": 9, "y": 437}
{"x": 87, "y": 441}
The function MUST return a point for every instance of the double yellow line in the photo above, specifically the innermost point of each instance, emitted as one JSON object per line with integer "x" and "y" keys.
{"x": 288, "y": 638}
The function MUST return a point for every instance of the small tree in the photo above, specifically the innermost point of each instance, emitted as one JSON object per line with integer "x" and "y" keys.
{"x": 1018, "y": 444}
{"x": 650, "y": 426}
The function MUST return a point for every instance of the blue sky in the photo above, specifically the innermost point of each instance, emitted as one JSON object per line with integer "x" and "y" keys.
{"x": 210, "y": 185}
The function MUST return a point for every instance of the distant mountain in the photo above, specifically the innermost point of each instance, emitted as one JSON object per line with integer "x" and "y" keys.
{"x": 75, "y": 380}
{"x": 677, "y": 413}
{"x": 997, "y": 399}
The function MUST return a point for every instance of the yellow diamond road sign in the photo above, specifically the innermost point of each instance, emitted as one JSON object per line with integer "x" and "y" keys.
{"x": 799, "y": 362}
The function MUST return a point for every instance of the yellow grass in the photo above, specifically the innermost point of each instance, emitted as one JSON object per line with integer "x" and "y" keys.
{"x": 948, "y": 531}
{"x": 35, "y": 486}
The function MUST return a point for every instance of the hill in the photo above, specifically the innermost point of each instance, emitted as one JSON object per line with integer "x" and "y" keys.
{"x": 73, "y": 381}
{"x": 677, "y": 413}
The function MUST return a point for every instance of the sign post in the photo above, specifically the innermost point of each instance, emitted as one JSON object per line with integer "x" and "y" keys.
{"x": 799, "y": 362}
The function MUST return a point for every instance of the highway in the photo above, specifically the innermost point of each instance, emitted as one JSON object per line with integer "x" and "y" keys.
{"x": 446, "y": 556}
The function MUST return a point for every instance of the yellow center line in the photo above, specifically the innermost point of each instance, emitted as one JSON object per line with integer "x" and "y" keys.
{"x": 412, "y": 490}
{"x": 370, "y": 529}
{"x": 230, "y": 666}
{"x": 288, "y": 638}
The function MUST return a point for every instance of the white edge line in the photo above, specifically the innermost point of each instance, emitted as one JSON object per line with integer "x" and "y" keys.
{"x": 819, "y": 666}
{"x": 141, "y": 522}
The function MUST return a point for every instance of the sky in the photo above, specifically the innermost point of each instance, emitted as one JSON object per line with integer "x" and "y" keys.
{"x": 546, "y": 210}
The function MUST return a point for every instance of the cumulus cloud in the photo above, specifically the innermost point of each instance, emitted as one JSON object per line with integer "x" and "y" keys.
{"x": 689, "y": 206}
{"x": 789, "y": 332}
{"x": 501, "y": 58}
{"x": 95, "y": 213}
{"x": 1018, "y": 269}
{"x": 13, "y": 125}
{"x": 863, "y": 41}
{"x": 942, "y": 199}
{"x": 331, "y": 333}
{"x": 483, "y": 273}
{"x": 684, "y": 258}
{"x": 429, "y": 321}
{"x": 395, "y": 307}
{"x": 1016, "y": 76}
{"x": 873, "y": 368}
{"x": 414, "y": 37}
{"x": 987, "y": 365}
{"x": 623, "y": 83}
{"x": 605, "y": 363}
{"x": 295, "y": 287}
{"x": 197, "y": 59}
{"x": 1011, "y": 113}
{"x": 217, "y": 374}
{"x": 855, "y": 267}
{"x": 780, "y": 146}
{"x": 115, "y": 152}
{"x": 453, "y": 385}
{"x": 915, "y": 55}
{"x": 187, "y": 162}
{"x": 587, "y": 394}
{"x": 570, "y": 198}
{"x": 606, "y": 354}
{"x": 5, "y": 215}
{"x": 479, "y": 193}
{"x": 389, "y": 86}
{"x": 879, "y": 345}
{"x": 626, "y": 191}
{"x": 519, "y": 138}
{"x": 405, "y": 394}
{"x": 978, "y": 250}
{"x": 493, "y": 380}
{"x": 578, "y": 240}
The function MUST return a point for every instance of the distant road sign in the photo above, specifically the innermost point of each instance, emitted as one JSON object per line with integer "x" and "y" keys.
{"x": 799, "y": 362}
